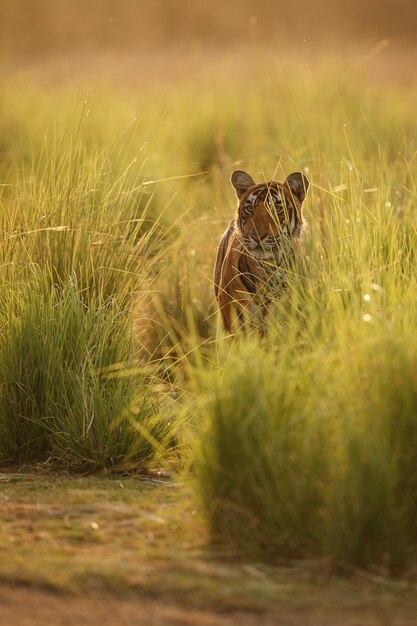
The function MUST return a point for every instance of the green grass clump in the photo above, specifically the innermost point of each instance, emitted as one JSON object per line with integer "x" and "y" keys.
{"x": 71, "y": 390}
{"x": 301, "y": 458}
{"x": 370, "y": 517}
{"x": 262, "y": 461}
{"x": 78, "y": 256}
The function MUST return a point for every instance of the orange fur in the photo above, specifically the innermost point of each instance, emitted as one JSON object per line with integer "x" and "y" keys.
{"x": 257, "y": 246}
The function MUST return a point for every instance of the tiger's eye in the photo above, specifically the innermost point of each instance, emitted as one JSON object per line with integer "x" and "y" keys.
{"x": 247, "y": 207}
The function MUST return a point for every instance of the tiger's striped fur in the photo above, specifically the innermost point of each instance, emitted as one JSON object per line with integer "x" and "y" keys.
{"x": 258, "y": 246}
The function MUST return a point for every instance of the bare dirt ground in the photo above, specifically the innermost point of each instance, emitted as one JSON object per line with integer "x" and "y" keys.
{"x": 116, "y": 551}
{"x": 31, "y": 607}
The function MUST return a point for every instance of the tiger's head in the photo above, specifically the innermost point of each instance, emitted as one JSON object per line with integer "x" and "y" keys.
{"x": 269, "y": 213}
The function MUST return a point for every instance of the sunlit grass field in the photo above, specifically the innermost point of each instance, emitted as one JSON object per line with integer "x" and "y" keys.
{"x": 300, "y": 444}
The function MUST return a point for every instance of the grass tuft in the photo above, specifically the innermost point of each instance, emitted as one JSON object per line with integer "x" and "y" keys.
{"x": 71, "y": 389}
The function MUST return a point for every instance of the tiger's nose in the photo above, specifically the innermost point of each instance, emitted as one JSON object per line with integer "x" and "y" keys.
{"x": 262, "y": 236}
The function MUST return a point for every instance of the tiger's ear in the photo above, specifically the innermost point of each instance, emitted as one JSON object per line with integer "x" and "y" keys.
{"x": 298, "y": 184}
{"x": 241, "y": 181}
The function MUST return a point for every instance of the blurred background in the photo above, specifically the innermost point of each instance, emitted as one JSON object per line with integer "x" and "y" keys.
{"x": 65, "y": 27}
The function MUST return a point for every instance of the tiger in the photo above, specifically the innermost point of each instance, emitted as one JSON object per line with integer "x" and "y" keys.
{"x": 258, "y": 247}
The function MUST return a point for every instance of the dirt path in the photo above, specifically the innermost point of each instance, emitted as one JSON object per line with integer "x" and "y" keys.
{"x": 22, "y": 606}
{"x": 126, "y": 551}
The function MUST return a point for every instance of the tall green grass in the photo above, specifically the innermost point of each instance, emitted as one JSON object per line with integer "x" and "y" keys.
{"x": 72, "y": 390}
{"x": 78, "y": 256}
{"x": 311, "y": 457}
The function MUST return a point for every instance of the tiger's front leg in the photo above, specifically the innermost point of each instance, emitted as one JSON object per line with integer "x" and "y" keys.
{"x": 238, "y": 313}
